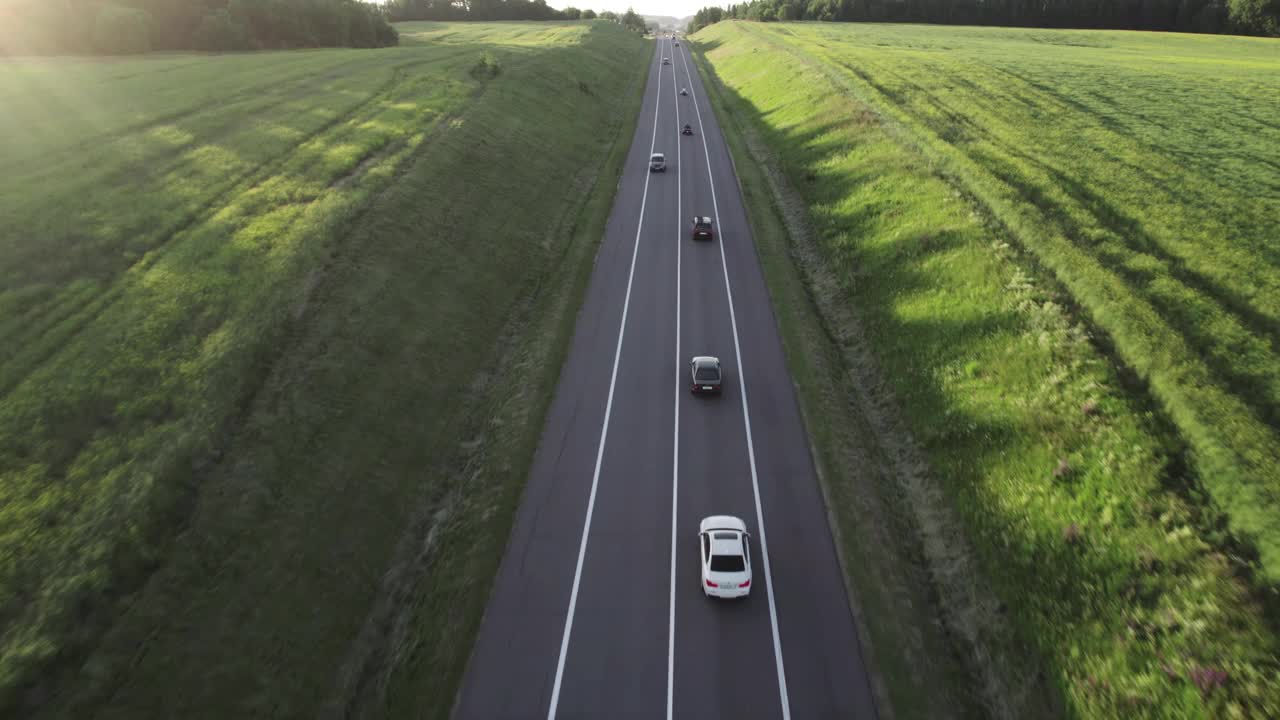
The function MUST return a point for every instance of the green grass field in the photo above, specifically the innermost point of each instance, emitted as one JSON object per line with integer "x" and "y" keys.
{"x": 1060, "y": 248}
{"x": 248, "y": 303}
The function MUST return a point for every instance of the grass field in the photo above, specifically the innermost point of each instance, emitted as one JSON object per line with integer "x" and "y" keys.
{"x": 1059, "y": 248}
{"x": 247, "y": 304}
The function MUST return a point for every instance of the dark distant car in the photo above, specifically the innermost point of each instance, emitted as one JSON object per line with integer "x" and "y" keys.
{"x": 702, "y": 229}
{"x": 687, "y": 129}
{"x": 676, "y": 44}
{"x": 657, "y": 162}
{"x": 705, "y": 375}
{"x": 684, "y": 91}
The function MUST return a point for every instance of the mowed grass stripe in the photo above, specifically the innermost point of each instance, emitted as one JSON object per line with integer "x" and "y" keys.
{"x": 82, "y": 105}
{"x": 41, "y": 256}
{"x": 1227, "y": 270}
{"x": 1234, "y": 337}
{"x": 1106, "y": 551}
{"x": 89, "y": 251}
{"x": 173, "y": 160}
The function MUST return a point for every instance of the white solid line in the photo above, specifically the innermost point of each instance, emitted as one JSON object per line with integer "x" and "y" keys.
{"x": 675, "y": 452}
{"x": 746, "y": 413}
{"x": 604, "y": 427}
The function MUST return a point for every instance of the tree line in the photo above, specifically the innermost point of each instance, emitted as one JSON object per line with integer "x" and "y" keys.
{"x": 138, "y": 26}
{"x": 503, "y": 10}
{"x": 1245, "y": 17}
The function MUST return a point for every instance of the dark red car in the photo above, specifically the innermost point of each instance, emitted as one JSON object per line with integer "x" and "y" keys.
{"x": 702, "y": 229}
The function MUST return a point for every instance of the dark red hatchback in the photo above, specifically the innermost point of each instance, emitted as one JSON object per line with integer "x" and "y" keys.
{"x": 702, "y": 228}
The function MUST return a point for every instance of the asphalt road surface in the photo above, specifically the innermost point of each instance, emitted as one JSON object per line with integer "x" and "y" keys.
{"x": 597, "y": 610}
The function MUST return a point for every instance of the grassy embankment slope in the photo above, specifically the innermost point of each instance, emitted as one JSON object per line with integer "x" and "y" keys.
{"x": 250, "y": 306}
{"x": 985, "y": 200}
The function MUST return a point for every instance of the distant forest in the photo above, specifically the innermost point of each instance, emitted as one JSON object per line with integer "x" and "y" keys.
{"x": 502, "y": 10}
{"x": 476, "y": 10}
{"x": 138, "y": 26}
{"x": 1245, "y": 17}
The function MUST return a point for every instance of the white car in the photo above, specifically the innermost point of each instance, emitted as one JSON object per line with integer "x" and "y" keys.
{"x": 726, "y": 557}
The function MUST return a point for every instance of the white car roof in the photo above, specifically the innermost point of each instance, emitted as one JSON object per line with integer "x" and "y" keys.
{"x": 656, "y": 155}
{"x": 726, "y": 547}
{"x": 722, "y": 522}
{"x": 706, "y": 360}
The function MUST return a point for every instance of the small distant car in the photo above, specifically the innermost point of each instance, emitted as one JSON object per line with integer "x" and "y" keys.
{"x": 657, "y": 162}
{"x": 702, "y": 228}
{"x": 705, "y": 375}
{"x": 683, "y": 91}
{"x": 726, "y": 557}
{"x": 676, "y": 44}
{"x": 666, "y": 61}
{"x": 687, "y": 129}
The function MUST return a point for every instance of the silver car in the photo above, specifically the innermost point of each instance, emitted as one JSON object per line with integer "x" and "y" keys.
{"x": 705, "y": 375}
{"x": 657, "y": 162}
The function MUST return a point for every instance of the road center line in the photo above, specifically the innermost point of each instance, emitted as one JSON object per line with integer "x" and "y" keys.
{"x": 675, "y": 452}
{"x": 746, "y": 413}
{"x": 608, "y": 409}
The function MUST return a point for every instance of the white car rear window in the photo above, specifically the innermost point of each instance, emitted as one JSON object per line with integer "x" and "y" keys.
{"x": 728, "y": 563}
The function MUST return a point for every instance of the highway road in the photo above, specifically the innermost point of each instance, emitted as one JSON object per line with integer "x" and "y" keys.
{"x": 597, "y": 610}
